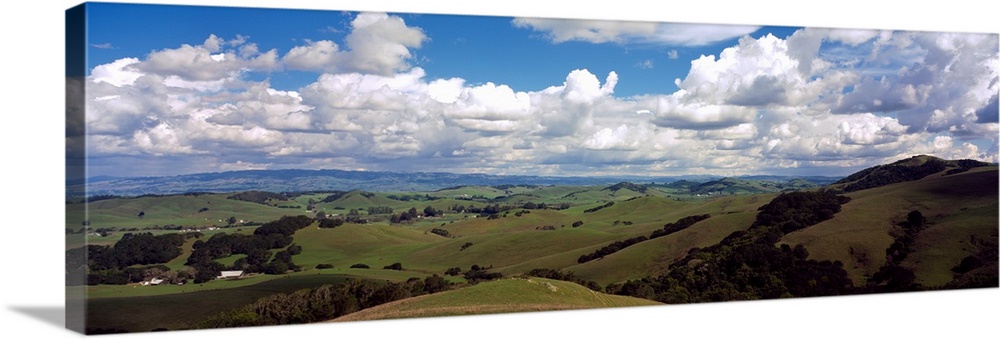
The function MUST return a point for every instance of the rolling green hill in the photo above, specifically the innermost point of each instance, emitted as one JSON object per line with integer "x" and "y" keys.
{"x": 913, "y": 168}
{"x": 957, "y": 199}
{"x": 182, "y": 210}
{"x": 501, "y": 296}
{"x": 958, "y": 207}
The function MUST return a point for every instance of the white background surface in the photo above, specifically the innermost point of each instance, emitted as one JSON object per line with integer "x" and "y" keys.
{"x": 32, "y": 121}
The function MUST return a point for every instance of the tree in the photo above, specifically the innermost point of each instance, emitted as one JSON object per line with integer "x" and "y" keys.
{"x": 430, "y": 212}
{"x": 915, "y": 219}
{"x": 395, "y": 266}
{"x": 231, "y": 221}
{"x": 435, "y": 283}
{"x": 141, "y": 214}
{"x": 276, "y": 267}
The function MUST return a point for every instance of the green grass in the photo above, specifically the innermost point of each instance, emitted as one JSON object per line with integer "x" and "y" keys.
{"x": 372, "y": 244}
{"x": 859, "y": 234}
{"x": 181, "y": 210}
{"x": 184, "y": 310}
{"x": 508, "y": 249}
{"x": 501, "y": 296}
{"x": 944, "y": 243}
{"x": 958, "y": 207}
{"x": 652, "y": 257}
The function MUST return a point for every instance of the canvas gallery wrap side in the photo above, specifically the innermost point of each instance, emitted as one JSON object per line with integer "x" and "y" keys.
{"x": 327, "y": 166}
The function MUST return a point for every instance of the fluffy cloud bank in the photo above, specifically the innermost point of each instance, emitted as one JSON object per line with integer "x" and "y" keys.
{"x": 602, "y": 31}
{"x": 378, "y": 44}
{"x": 818, "y": 98}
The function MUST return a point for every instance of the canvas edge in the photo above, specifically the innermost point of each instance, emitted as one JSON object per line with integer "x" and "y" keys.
{"x": 76, "y": 68}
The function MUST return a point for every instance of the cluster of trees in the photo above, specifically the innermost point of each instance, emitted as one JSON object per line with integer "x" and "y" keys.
{"x": 379, "y": 210}
{"x": 980, "y": 269}
{"x": 442, "y": 232}
{"x": 964, "y": 165}
{"x": 477, "y": 274}
{"x": 412, "y": 214}
{"x": 259, "y": 197}
{"x": 413, "y": 197}
{"x": 564, "y": 276}
{"x": 505, "y": 187}
{"x": 899, "y": 171}
{"x": 598, "y": 208}
{"x": 533, "y": 206}
{"x": 324, "y": 302}
{"x": 893, "y": 277}
{"x": 271, "y": 235}
{"x": 353, "y": 216}
{"x": 612, "y": 248}
{"x": 394, "y": 266}
{"x": 335, "y": 195}
{"x": 678, "y": 225}
{"x": 331, "y": 223}
{"x": 116, "y": 264}
{"x": 626, "y": 185}
{"x": 488, "y": 209}
{"x": 747, "y": 265}
{"x": 793, "y": 211}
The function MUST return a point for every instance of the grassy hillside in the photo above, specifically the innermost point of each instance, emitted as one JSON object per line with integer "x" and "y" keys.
{"x": 374, "y": 245}
{"x": 913, "y": 168}
{"x": 184, "y": 210}
{"x": 957, "y": 206}
{"x": 652, "y": 257}
{"x": 501, "y": 296}
{"x": 184, "y": 310}
{"x": 958, "y": 200}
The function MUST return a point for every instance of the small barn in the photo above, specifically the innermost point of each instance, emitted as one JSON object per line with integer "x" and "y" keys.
{"x": 230, "y": 274}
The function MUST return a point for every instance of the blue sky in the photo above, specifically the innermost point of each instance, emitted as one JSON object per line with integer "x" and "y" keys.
{"x": 477, "y": 48}
{"x": 174, "y": 89}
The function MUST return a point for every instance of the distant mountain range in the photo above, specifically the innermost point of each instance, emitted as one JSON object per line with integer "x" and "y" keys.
{"x": 297, "y": 180}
